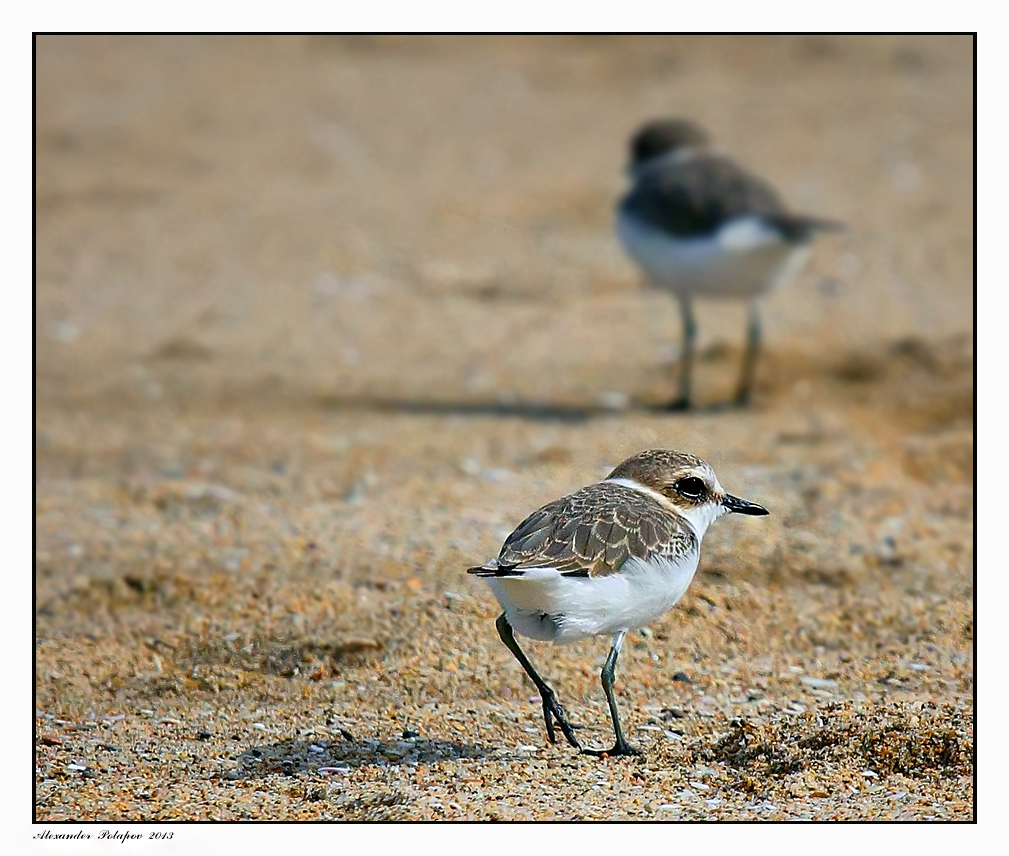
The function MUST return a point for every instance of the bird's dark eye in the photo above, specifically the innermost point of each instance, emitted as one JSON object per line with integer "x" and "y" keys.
{"x": 691, "y": 488}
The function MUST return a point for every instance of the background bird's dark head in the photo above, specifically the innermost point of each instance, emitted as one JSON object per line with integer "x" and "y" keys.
{"x": 664, "y": 136}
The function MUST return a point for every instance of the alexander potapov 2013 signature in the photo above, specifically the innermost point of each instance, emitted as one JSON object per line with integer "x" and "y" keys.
{"x": 102, "y": 834}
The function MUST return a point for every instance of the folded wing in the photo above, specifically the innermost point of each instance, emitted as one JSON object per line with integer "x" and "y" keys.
{"x": 591, "y": 533}
{"x": 697, "y": 197}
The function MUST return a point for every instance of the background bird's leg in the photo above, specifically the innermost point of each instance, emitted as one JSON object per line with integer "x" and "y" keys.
{"x": 607, "y": 676}
{"x": 750, "y": 357}
{"x": 551, "y": 707}
{"x": 682, "y": 401}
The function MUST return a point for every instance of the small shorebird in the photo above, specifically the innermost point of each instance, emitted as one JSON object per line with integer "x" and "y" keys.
{"x": 606, "y": 559}
{"x": 702, "y": 227}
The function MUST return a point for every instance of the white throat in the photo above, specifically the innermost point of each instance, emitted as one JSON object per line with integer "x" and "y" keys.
{"x": 700, "y": 517}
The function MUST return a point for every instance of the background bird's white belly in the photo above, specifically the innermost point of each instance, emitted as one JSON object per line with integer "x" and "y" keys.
{"x": 577, "y": 608}
{"x": 742, "y": 260}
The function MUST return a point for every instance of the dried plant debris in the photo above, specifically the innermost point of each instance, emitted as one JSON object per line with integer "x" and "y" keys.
{"x": 920, "y": 741}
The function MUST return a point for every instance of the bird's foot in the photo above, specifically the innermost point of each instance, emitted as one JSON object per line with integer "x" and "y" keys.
{"x": 622, "y": 747}
{"x": 552, "y": 711}
{"x": 679, "y": 404}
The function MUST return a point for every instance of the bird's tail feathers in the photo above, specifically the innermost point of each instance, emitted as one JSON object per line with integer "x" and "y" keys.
{"x": 798, "y": 227}
{"x": 495, "y": 570}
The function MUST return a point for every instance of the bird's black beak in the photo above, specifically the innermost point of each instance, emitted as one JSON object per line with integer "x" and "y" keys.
{"x": 741, "y": 506}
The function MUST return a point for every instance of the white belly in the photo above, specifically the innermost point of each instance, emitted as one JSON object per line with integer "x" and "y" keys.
{"x": 743, "y": 260}
{"x": 544, "y": 605}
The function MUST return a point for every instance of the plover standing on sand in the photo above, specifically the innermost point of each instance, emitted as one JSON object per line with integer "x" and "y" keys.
{"x": 606, "y": 559}
{"x": 702, "y": 227}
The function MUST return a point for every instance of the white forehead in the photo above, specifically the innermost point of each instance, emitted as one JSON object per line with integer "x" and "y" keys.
{"x": 704, "y": 472}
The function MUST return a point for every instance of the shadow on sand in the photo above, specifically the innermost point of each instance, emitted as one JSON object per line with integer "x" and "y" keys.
{"x": 541, "y": 411}
{"x": 333, "y": 756}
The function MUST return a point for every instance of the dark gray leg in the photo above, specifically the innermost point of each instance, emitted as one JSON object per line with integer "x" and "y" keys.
{"x": 621, "y": 746}
{"x": 551, "y": 707}
{"x": 750, "y": 357}
{"x": 682, "y": 401}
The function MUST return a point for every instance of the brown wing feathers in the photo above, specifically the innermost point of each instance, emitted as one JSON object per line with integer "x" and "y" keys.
{"x": 590, "y": 533}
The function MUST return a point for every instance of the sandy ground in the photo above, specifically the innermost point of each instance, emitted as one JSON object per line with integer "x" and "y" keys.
{"x": 319, "y": 320}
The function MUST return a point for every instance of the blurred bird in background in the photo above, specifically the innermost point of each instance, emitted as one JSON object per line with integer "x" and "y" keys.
{"x": 700, "y": 226}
